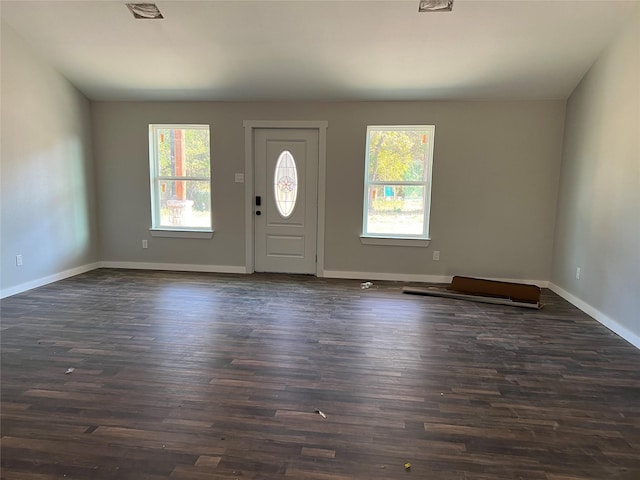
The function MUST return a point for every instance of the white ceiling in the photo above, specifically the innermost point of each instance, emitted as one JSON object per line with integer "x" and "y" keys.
{"x": 320, "y": 50}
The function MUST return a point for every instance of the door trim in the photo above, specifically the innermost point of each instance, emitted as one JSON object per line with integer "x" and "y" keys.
{"x": 249, "y": 127}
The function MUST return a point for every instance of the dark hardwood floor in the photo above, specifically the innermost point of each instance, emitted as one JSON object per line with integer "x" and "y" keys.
{"x": 205, "y": 376}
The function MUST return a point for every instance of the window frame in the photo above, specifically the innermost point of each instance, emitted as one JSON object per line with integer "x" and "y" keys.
{"x": 155, "y": 178}
{"x": 422, "y": 239}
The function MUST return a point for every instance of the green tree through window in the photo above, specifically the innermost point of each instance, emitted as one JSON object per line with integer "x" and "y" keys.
{"x": 398, "y": 181}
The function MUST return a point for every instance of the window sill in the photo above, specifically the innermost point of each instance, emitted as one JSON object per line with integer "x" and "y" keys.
{"x": 177, "y": 233}
{"x": 395, "y": 241}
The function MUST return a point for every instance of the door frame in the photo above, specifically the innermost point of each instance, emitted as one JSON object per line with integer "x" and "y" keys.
{"x": 249, "y": 189}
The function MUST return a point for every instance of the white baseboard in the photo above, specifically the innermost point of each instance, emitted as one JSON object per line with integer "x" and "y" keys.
{"x": 402, "y": 277}
{"x": 597, "y": 315}
{"x": 178, "y": 267}
{"x": 539, "y": 283}
{"x": 392, "y": 277}
{"x": 23, "y": 287}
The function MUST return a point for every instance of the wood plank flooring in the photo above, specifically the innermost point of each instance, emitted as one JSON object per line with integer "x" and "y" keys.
{"x": 205, "y": 376}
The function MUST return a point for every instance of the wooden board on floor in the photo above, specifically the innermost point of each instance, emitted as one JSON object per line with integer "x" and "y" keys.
{"x": 518, "y": 292}
{"x": 442, "y": 292}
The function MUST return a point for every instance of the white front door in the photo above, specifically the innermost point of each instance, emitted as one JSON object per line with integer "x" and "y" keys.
{"x": 286, "y": 200}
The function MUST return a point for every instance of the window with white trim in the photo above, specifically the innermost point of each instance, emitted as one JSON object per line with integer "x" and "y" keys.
{"x": 180, "y": 166}
{"x": 397, "y": 183}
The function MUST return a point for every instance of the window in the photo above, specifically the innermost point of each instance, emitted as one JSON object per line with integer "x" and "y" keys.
{"x": 285, "y": 184}
{"x": 180, "y": 161}
{"x": 397, "y": 185}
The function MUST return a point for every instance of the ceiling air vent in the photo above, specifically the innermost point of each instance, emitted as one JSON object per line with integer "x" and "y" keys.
{"x": 435, "y": 6}
{"x": 149, "y": 11}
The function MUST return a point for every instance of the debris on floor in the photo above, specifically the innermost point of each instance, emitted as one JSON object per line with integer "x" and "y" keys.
{"x": 321, "y": 413}
{"x": 69, "y": 370}
{"x": 485, "y": 291}
{"x": 407, "y": 466}
{"x": 365, "y": 285}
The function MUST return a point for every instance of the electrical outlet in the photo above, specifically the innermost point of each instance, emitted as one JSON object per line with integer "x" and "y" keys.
{"x": 18, "y": 260}
{"x": 436, "y": 255}
{"x": 145, "y": 244}
{"x": 578, "y": 272}
{"x": 239, "y": 177}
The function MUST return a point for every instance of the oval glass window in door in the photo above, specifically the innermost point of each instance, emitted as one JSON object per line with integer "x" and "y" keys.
{"x": 285, "y": 184}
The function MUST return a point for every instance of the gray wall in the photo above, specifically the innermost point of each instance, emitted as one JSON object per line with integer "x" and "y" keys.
{"x": 48, "y": 209}
{"x": 496, "y": 171}
{"x": 598, "y": 223}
